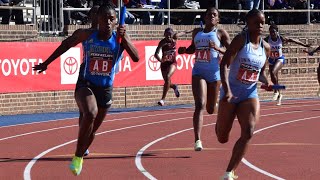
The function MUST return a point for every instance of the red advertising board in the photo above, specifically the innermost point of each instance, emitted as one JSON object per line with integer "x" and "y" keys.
{"x": 18, "y": 58}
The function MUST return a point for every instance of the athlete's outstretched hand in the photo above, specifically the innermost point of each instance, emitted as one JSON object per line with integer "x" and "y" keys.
{"x": 182, "y": 50}
{"x": 40, "y": 67}
{"x": 310, "y": 53}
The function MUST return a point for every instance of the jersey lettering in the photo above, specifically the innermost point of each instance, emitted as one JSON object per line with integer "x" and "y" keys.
{"x": 100, "y": 66}
{"x": 203, "y": 55}
{"x": 275, "y": 54}
{"x": 169, "y": 56}
{"x": 248, "y": 74}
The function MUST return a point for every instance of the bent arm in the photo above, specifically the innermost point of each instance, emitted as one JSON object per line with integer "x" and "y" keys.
{"x": 225, "y": 40}
{"x": 156, "y": 54}
{"x": 296, "y": 42}
{"x": 130, "y": 48}
{"x": 235, "y": 46}
{"x": 178, "y": 35}
{"x": 77, "y": 37}
{"x": 263, "y": 77}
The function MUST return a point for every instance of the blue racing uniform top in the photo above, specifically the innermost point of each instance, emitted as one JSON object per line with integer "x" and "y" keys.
{"x": 100, "y": 59}
{"x": 206, "y": 59}
{"x": 245, "y": 71}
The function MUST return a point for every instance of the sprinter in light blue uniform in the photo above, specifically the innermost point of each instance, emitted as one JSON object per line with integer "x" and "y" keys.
{"x": 277, "y": 59}
{"x": 93, "y": 92}
{"x": 206, "y": 58}
{"x": 245, "y": 71}
{"x": 207, "y": 43}
{"x": 246, "y": 57}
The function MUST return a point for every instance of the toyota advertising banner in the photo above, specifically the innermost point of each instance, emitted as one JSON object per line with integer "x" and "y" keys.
{"x": 18, "y": 58}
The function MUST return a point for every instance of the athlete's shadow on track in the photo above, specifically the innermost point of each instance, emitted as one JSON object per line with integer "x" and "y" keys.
{"x": 147, "y": 155}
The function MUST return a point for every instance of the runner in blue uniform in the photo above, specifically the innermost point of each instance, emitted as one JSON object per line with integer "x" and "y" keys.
{"x": 93, "y": 92}
{"x": 207, "y": 44}
{"x": 246, "y": 57}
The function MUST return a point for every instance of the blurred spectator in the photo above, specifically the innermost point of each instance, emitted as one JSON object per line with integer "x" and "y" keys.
{"x": 130, "y": 19}
{"x": 316, "y": 5}
{"x": 92, "y": 3}
{"x": 8, "y": 14}
{"x": 159, "y": 16}
{"x": 179, "y": 18}
{"x": 251, "y": 4}
{"x": 300, "y": 17}
{"x": 231, "y": 18}
{"x": 144, "y": 16}
{"x": 279, "y": 17}
{"x": 81, "y": 16}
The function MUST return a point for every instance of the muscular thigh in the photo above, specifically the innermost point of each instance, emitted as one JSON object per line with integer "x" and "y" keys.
{"x": 248, "y": 113}
{"x": 86, "y": 100}
{"x": 226, "y": 116}
{"x": 277, "y": 66}
{"x": 199, "y": 89}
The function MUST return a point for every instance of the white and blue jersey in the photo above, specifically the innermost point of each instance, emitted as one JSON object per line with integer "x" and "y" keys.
{"x": 276, "y": 50}
{"x": 100, "y": 59}
{"x": 245, "y": 71}
{"x": 206, "y": 59}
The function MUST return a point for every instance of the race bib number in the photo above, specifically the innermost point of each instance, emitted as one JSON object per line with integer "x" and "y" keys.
{"x": 100, "y": 66}
{"x": 169, "y": 56}
{"x": 274, "y": 54}
{"x": 203, "y": 55}
{"x": 248, "y": 74}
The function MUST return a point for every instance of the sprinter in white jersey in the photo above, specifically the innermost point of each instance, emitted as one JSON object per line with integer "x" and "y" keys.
{"x": 207, "y": 44}
{"x": 246, "y": 57}
{"x": 277, "y": 59}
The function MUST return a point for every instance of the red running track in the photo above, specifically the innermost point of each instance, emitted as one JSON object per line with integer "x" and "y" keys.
{"x": 159, "y": 145}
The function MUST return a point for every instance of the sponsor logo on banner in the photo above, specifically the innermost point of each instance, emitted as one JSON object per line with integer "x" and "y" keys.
{"x": 70, "y": 65}
{"x": 153, "y": 71}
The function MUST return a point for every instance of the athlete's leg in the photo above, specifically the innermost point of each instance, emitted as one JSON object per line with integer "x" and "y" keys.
{"x": 172, "y": 69}
{"x": 212, "y": 97}
{"x": 275, "y": 71}
{"x": 248, "y": 113}
{"x": 166, "y": 74}
{"x": 226, "y": 116}
{"x": 199, "y": 89}
{"x": 87, "y": 104}
{"x": 102, "y": 112}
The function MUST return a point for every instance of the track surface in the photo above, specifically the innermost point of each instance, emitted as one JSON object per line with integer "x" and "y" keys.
{"x": 158, "y": 144}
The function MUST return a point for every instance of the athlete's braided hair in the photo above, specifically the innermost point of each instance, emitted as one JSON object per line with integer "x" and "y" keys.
{"x": 252, "y": 13}
{"x": 105, "y": 7}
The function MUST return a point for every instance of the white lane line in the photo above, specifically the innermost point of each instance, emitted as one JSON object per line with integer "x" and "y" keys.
{"x": 139, "y": 154}
{"x": 27, "y": 175}
{"x": 128, "y": 118}
{"x": 138, "y": 159}
{"x": 27, "y": 170}
{"x": 63, "y": 127}
{"x": 262, "y": 129}
{"x": 267, "y": 103}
